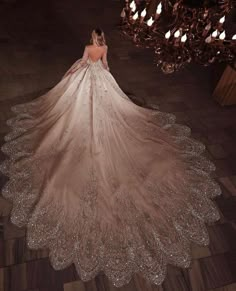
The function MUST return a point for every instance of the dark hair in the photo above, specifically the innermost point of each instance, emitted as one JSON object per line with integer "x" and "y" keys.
{"x": 98, "y": 31}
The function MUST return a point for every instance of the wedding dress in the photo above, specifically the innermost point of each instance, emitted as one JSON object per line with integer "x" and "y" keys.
{"x": 106, "y": 184}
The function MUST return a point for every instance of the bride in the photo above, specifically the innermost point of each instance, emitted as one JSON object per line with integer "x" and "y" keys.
{"x": 103, "y": 183}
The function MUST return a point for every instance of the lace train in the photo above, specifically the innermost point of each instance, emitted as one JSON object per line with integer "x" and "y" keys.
{"x": 106, "y": 184}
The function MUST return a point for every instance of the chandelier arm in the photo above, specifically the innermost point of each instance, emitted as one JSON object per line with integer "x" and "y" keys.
{"x": 196, "y": 34}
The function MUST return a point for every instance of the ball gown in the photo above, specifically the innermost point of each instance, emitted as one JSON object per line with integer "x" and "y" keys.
{"x": 105, "y": 184}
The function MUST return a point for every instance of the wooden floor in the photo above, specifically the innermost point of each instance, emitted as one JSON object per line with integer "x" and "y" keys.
{"x": 39, "y": 41}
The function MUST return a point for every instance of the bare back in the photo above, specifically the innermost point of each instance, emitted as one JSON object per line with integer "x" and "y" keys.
{"x": 96, "y": 53}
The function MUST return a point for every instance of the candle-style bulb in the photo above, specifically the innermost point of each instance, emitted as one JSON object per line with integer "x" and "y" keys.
{"x": 222, "y": 35}
{"x": 150, "y": 21}
{"x": 144, "y": 12}
{"x": 208, "y": 39}
{"x": 135, "y": 16}
{"x": 122, "y": 15}
{"x": 214, "y": 33}
{"x": 208, "y": 26}
{"x": 159, "y": 8}
{"x": 177, "y": 33}
{"x": 167, "y": 35}
{"x": 222, "y": 20}
{"x": 184, "y": 38}
{"x": 132, "y": 4}
{"x": 234, "y": 37}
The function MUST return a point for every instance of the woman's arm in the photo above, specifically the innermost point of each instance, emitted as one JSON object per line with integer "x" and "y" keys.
{"x": 85, "y": 56}
{"x": 104, "y": 59}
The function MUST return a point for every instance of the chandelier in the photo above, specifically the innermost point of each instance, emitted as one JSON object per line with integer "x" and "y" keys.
{"x": 180, "y": 31}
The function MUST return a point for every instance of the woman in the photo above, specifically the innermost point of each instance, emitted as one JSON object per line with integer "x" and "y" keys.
{"x": 103, "y": 183}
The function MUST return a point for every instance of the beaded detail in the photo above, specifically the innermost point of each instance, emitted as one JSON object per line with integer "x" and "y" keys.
{"x": 105, "y": 184}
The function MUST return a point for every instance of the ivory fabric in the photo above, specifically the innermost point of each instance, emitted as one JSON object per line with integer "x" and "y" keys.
{"x": 105, "y": 184}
